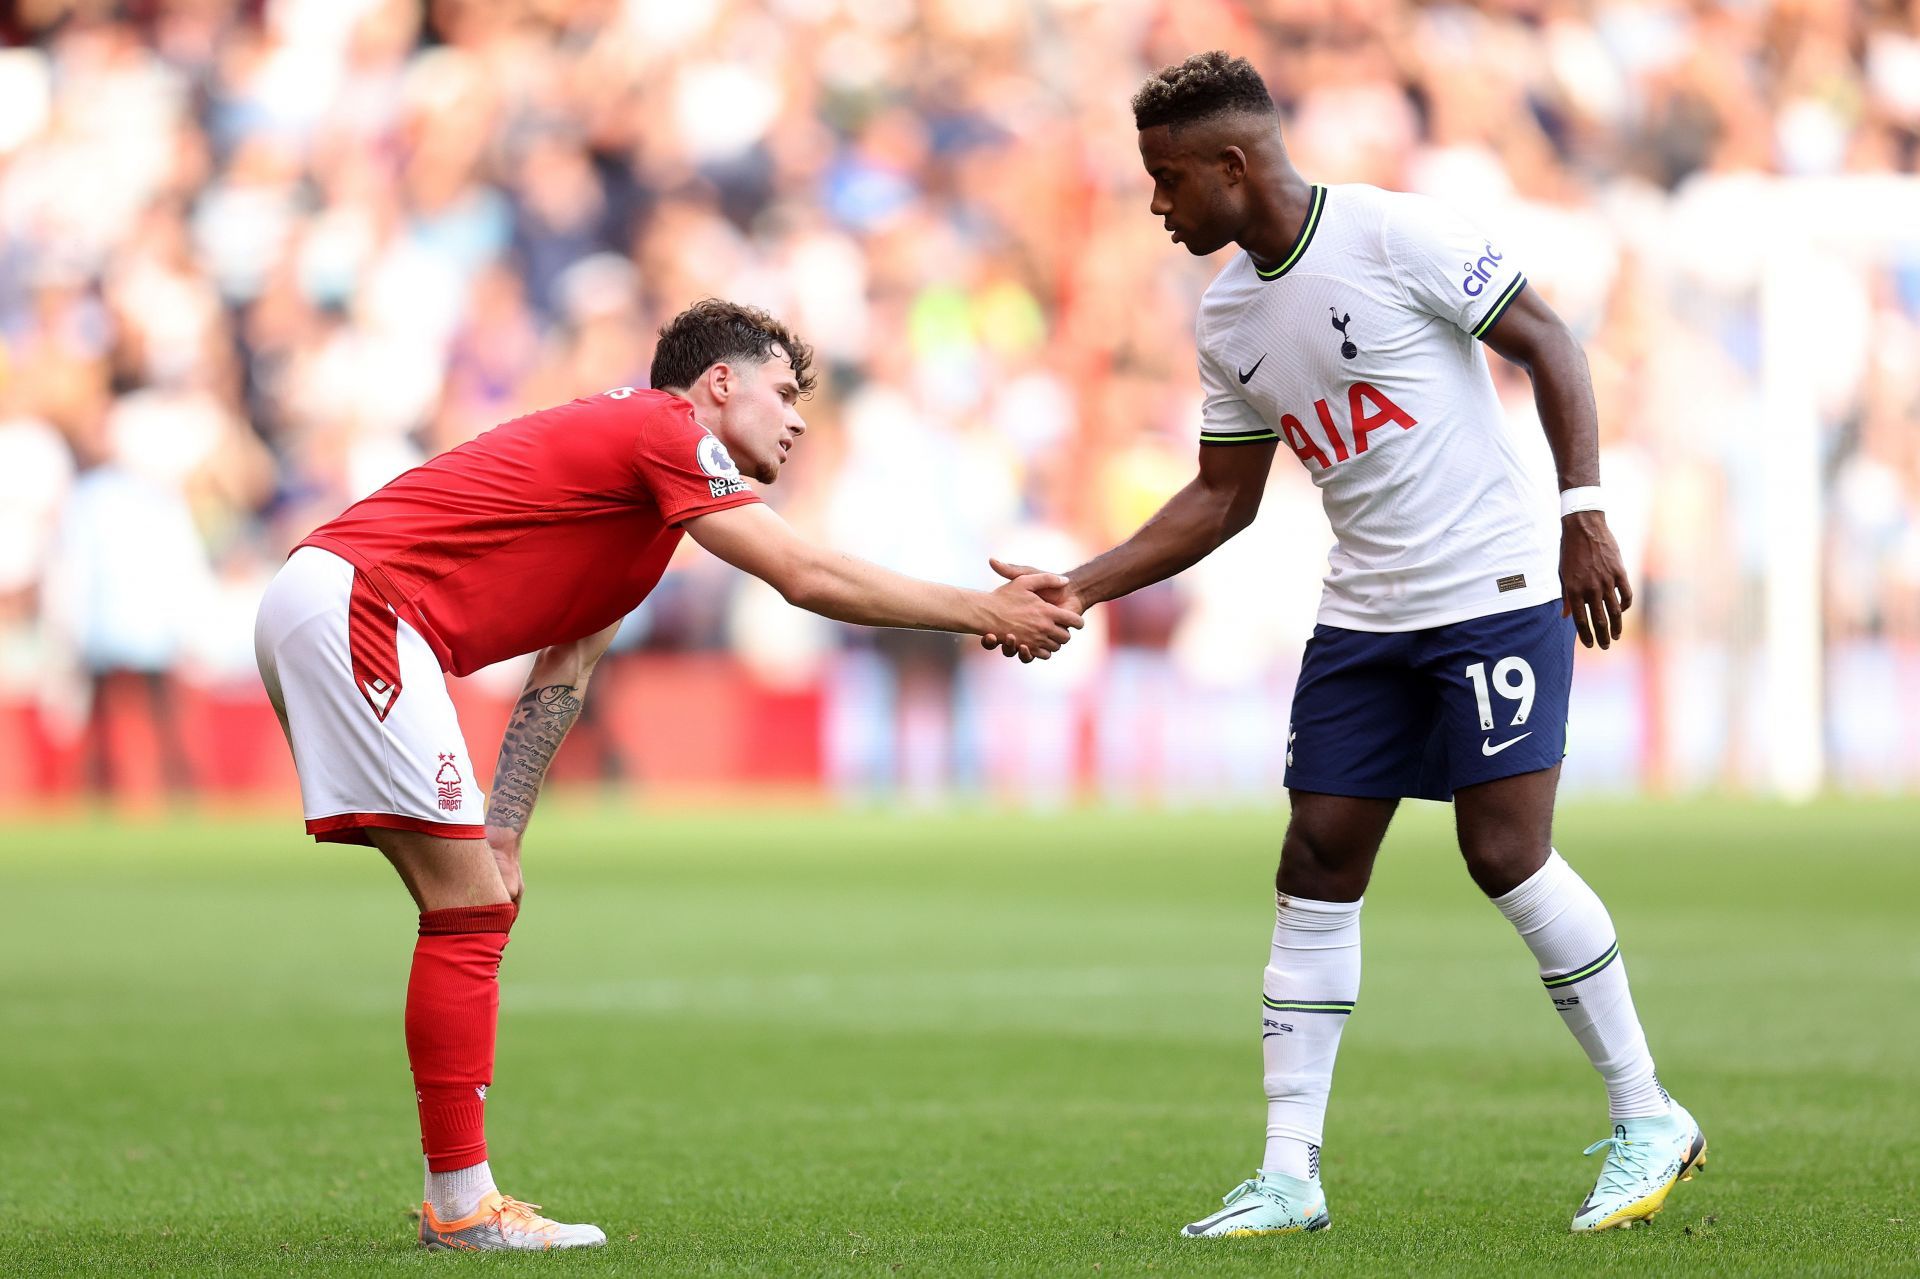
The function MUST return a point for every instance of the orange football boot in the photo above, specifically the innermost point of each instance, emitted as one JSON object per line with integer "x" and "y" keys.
{"x": 501, "y": 1224}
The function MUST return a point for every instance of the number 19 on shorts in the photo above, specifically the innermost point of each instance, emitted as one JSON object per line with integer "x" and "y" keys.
{"x": 1512, "y": 679}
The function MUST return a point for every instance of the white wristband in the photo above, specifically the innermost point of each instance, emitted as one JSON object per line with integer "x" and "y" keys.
{"x": 1588, "y": 498}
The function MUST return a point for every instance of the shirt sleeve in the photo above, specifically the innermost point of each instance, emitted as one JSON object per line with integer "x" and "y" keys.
{"x": 687, "y": 469}
{"x": 1447, "y": 267}
{"x": 1225, "y": 416}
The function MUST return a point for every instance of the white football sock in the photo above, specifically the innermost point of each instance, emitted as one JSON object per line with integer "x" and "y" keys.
{"x": 1572, "y": 939}
{"x": 456, "y": 1194}
{"x": 1311, "y": 982}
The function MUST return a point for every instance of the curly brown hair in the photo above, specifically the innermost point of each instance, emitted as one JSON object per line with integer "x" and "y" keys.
{"x": 714, "y": 330}
{"x": 1206, "y": 84}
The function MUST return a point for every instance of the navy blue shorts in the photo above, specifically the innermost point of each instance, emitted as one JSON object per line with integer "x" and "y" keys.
{"x": 1421, "y": 714}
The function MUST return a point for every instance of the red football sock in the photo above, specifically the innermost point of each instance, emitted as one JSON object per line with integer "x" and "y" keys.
{"x": 453, "y": 1009}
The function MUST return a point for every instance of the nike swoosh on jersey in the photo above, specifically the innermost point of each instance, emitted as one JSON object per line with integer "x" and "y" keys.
{"x": 1488, "y": 748}
{"x": 1248, "y": 375}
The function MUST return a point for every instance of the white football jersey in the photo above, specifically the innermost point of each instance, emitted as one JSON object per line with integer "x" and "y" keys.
{"x": 1359, "y": 352}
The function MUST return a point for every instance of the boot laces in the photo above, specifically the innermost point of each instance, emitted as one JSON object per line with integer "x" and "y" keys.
{"x": 523, "y": 1216}
{"x": 1253, "y": 1185}
{"x": 1628, "y": 1162}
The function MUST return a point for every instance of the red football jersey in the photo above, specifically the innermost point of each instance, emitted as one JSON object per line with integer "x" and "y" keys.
{"x": 543, "y": 530}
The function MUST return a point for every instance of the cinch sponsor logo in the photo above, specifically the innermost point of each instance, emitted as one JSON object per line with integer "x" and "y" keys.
{"x": 1368, "y": 409}
{"x": 1480, "y": 271}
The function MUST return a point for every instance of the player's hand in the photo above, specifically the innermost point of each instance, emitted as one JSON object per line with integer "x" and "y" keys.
{"x": 1026, "y": 615}
{"x": 504, "y": 843}
{"x": 1061, "y": 594}
{"x": 1593, "y": 578}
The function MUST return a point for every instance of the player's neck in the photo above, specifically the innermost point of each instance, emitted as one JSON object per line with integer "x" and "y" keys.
{"x": 1278, "y": 215}
{"x": 705, "y": 412}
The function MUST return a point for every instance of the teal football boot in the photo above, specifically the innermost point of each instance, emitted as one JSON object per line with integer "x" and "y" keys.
{"x": 1270, "y": 1204}
{"x": 1646, "y": 1158}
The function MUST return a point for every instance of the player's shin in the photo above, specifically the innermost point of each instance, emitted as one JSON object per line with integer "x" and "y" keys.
{"x": 1565, "y": 925}
{"x": 453, "y": 1005}
{"x": 1311, "y": 983}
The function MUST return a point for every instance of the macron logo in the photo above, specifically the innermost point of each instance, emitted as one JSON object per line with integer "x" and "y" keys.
{"x": 379, "y": 694}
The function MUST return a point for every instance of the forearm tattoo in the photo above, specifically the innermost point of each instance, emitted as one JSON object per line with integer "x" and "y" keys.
{"x": 540, "y": 722}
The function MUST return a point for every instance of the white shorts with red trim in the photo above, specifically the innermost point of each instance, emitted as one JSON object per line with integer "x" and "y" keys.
{"x": 365, "y": 707}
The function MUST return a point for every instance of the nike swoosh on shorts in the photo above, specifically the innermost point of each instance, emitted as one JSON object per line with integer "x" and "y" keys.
{"x": 1488, "y": 748}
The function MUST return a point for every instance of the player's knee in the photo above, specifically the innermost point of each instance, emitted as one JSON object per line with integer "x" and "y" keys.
{"x": 1500, "y": 862}
{"x": 1309, "y": 848}
{"x": 1318, "y": 864}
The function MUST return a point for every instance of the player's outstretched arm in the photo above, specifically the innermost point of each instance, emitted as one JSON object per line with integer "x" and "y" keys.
{"x": 1593, "y": 577}
{"x": 546, "y": 710}
{"x": 756, "y": 539}
{"x": 1220, "y": 500}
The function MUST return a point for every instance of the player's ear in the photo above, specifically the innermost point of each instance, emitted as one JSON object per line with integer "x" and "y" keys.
{"x": 720, "y": 380}
{"x": 1233, "y": 164}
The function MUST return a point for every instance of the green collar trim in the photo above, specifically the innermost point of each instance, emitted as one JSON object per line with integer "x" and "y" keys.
{"x": 1300, "y": 245}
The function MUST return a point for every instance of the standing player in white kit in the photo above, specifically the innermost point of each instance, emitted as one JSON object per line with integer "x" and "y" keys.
{"x": 1349, "y": 328}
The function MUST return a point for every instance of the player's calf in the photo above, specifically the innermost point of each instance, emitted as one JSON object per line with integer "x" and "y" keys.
{"x": 1573, "y": 941}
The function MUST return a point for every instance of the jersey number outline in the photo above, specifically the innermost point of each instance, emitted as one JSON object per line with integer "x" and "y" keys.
{"x": 1512, "y": 679}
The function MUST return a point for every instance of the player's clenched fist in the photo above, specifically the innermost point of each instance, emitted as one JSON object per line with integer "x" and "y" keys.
{"x": 1024, "y": 616}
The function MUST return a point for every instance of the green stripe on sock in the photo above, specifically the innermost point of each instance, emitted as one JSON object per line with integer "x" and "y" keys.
{"x": 1584, "y": 972}
{"x": 1308, "y": 1005}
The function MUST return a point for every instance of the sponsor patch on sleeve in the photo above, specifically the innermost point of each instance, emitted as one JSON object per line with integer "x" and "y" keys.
{"x": 723, "y": 476}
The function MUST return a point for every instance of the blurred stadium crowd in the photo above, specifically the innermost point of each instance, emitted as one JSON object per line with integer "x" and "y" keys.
{"x": 256, "y": 258}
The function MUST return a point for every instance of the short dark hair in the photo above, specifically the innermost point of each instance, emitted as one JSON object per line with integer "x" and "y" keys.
{"x": 714, "y": 330}
{"x": 1205, "y": 85}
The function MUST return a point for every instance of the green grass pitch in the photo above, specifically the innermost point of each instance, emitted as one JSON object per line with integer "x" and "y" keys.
{"x": 894, "y": 1044}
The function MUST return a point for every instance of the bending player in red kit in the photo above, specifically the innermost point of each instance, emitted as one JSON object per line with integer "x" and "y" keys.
{"x": 539, "y": 536}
